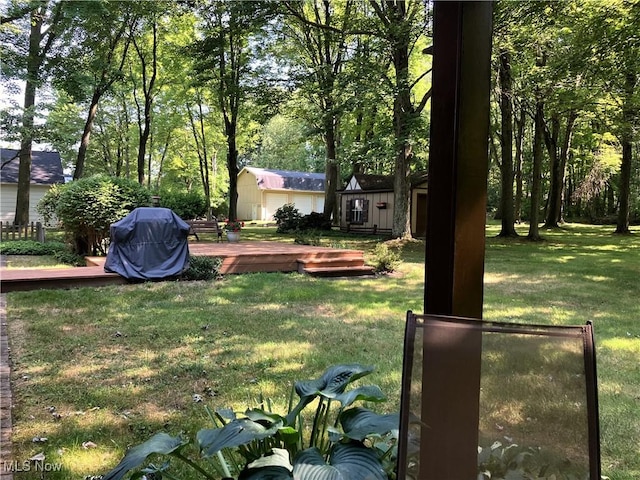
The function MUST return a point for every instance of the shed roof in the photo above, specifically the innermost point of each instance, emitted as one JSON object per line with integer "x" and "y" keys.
{"x": 46, "y": 167}
{"x": 376, "y": 183}
{"x": 287, "y": 180}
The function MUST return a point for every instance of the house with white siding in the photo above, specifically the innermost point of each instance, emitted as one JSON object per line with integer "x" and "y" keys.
{"x": 262, "y": 191}
{"x": 46, "y": 170}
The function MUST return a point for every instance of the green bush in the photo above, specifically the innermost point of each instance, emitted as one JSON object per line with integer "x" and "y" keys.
{"x": 202, "y": 268}
{"x": 287, "y": 218}
{"x": 386, "y": 259}
{"x": 87, "y": 207}
{"x": 60, "y": 251}
{"x": 47, "y": 204}
{"x": 31, "y": 247}
{"x": 187, "y": 205}
{"x": 70, "y": 258}
{"x": 315, "y": 221}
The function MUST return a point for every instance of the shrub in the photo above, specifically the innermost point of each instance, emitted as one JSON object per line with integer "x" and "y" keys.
{"x": 47, "y": 204}
{"x": 58, "y": 250}
{"x": 31, "y": 247}
{"x": 70, "y": 258}
{"x": 315, "y": 221}
{"x": 287, "y": 218}
{"x": 187, "y": 205}
{"x": 386, "y": 259}
{"x": 87, "y": 208}
{"x": 202, "y": 268}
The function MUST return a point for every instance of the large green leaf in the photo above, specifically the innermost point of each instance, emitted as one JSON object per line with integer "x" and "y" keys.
{"x": 161, "y": 443}
{"x": 333, "y": 381}
{"x": 368, "y": 393}
{"x": 235, "y": 433}
{"x": 352, "y": 461}
{"x": 331, "y": 384}
{"x": 358, "y": 423}
{"x": 259, "y": 415}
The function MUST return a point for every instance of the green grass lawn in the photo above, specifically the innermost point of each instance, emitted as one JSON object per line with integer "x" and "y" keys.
{"x": 113, "y": 365}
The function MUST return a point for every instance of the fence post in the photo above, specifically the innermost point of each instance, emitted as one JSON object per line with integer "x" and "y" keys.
{"x": 40, "y": 232}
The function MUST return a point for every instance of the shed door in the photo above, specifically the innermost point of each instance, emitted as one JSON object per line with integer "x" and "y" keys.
{"x": 304, "y": 203}
{"x": 274, "y": 202}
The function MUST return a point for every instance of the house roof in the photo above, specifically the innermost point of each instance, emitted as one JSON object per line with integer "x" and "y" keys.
{"x": 379, "y": 183}
{"x": 46, "y": 167}
{"x": 373, "y": 182}
{"x": 287, "y": 180}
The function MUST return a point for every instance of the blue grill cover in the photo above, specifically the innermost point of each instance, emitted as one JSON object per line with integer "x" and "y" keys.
{"x": 148, "y": 244}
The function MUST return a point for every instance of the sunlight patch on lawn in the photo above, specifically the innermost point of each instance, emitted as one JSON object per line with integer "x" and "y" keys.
{"x": 514, "y": 279}
{"x": 79, "y": 460}
{"x": 553, "y": 314}
{"x": 597, "y": 278}
{"x": 628, "y": 345}
{"x": 80, "y": 372}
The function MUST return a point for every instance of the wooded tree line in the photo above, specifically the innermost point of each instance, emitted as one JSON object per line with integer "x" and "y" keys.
{"x": 181, "y": 94}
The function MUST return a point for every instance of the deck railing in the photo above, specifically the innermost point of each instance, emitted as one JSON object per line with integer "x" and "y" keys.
{"x": 29, "y": 231}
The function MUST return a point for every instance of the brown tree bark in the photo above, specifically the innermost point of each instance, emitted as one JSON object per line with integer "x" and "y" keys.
{"x": 520, "y": 125}
{"x": 622, "y": 222}
{"x": 506, "y": 141}
{"x": 34, "y": 61}
{"x": 538, "y": 152}
{"x": 148, "y": 83}
{"x": 558, "y": 149}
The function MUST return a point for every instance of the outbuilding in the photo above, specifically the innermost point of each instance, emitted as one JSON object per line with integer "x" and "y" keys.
{"x": 46, "y": 171}
{"x": 262, "y": 191}
{"x": 366, "y": 204}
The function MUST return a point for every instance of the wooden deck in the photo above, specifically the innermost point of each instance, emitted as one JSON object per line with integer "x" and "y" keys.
{"x": 241, "y": 257}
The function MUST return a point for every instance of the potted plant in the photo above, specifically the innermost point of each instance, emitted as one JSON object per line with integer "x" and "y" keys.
{"x": 260, "y": 444}
{"x": 232, "y": 228}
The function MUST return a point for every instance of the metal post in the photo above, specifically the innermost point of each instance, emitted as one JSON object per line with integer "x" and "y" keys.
{"x": 456, "y": 217}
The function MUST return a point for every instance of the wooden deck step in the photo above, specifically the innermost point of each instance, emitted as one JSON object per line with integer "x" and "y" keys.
{"x": 57, "y": 278}
{"x": 343, "y": 262}
{"x": 345, "y": 265}
{"x": 364, "y": 270}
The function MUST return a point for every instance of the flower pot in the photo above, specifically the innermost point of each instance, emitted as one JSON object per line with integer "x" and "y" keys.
{"x": 233, "y": 236}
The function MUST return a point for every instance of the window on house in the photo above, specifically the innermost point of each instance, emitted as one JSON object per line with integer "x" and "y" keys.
{"x": 358, "y": 210}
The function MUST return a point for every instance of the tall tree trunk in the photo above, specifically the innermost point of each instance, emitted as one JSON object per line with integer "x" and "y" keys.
{"x": 232, "y": 167}
{"x": 520, "y": 124}
{"x": 34, "y": 61}
{"x": 86, "y": 134}
{"x": 397, "y": 21}
{"x": 558, "y": 159}
{"x": 538, "y": 146}
{"x": 622, "y": 223}
{"x": 107, "y": 79}
{"x": 534, "y": 213}
{"x": 147, "y": 88}
{"x": 331, "y": 168}
{"x": 200, "y": 140}
{"x": 564, "y": 157}
{"x": 551, "y": 142}
{"x": 506, "y": 140}
{"x": 402, "y": 117}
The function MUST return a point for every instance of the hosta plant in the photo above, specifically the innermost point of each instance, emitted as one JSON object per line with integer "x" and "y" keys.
{"x": 344, "y": 442}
